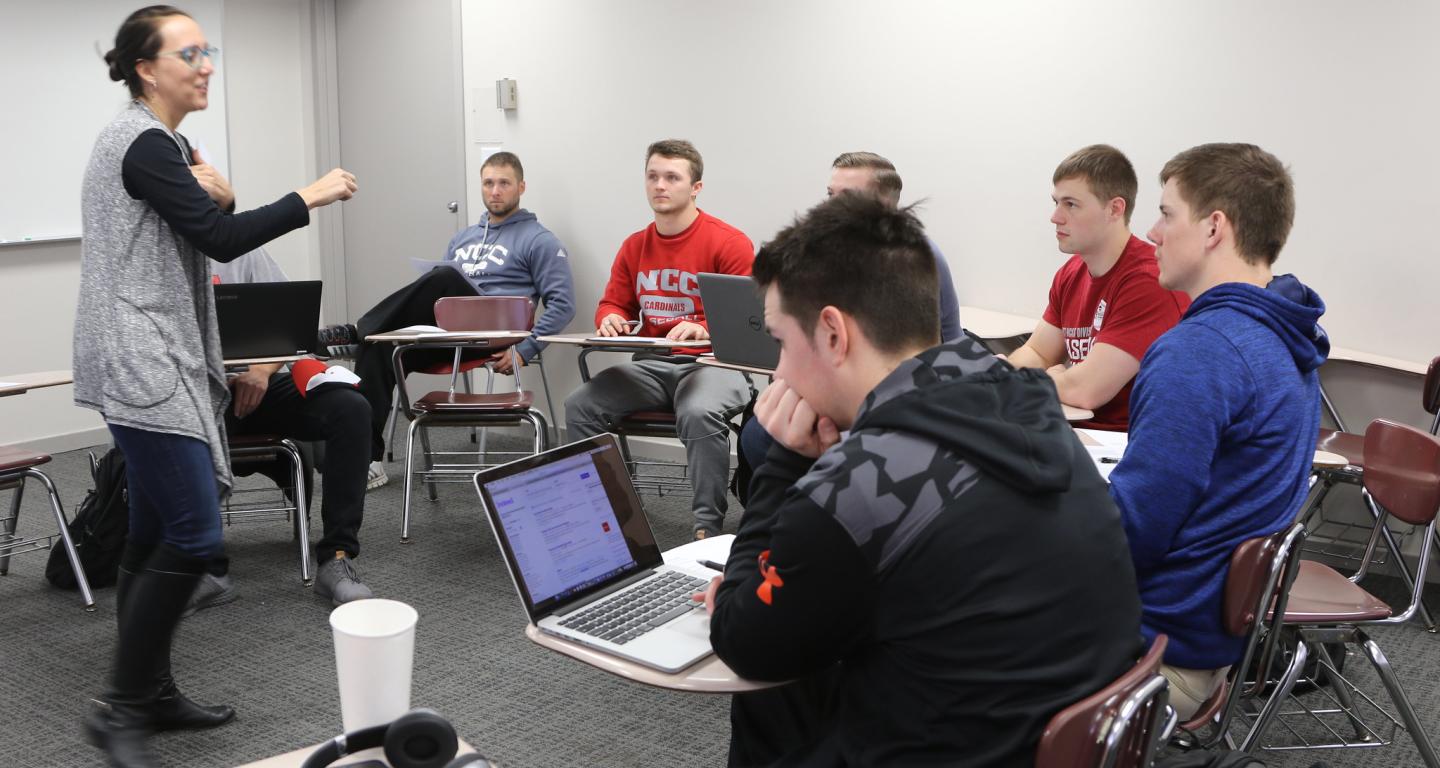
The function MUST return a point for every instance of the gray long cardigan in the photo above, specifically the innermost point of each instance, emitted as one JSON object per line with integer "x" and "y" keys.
{"x": 147, "y": 349}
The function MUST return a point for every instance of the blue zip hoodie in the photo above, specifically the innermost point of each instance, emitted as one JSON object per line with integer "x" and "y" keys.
{"x": 1223, "y": 421}
{"x": 518, "y": 257}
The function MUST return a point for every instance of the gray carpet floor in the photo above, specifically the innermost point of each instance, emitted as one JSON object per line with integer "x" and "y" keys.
{"x": 270, "y": 653}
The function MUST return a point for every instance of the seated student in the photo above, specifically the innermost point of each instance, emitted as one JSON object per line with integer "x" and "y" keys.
{"x": 1226, "y": 407}
{"x": 951, "y": 573}
{"x": 653, "y": 283}
{"x": 266, "y": 401}
{"x": 1105, "y": 305}
{"x": 871, "y": 174}
{"x": 507, "y": 253}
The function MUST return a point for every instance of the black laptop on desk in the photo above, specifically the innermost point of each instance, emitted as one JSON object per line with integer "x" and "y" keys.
{"x": 736, "y": 316}
{"x": 267, "y": 319}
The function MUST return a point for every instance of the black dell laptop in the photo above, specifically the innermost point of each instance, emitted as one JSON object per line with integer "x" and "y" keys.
{"x": 736, "y": 317}
{"x": 267, "y": 319}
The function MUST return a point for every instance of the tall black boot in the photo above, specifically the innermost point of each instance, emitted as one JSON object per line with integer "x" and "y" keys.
{"x": 154, "y": 598}
{"x": 172, "y": 710}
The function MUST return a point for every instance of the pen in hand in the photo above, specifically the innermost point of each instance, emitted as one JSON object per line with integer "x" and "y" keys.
{"x": 712, "y": 565}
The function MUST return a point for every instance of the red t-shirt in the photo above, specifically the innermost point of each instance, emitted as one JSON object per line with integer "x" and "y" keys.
{"x": 1125, "y": 308}
{"x": 654, "y": 278}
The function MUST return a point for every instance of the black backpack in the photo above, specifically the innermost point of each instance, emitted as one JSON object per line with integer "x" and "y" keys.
{"x": 99, "y": 529}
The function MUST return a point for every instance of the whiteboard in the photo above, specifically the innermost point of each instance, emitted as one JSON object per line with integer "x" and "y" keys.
{"x": 59, "y": 96}
{"x": 976, "y": 103}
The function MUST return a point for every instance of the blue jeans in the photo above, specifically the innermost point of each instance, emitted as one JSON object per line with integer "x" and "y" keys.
{"x": 174, "y": 498}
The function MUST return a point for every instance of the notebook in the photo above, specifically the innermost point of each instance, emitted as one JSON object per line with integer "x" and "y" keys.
{"x": 267, "y": 319}
{"x": 736, "y": 317}
{"x": 583, "y": 557}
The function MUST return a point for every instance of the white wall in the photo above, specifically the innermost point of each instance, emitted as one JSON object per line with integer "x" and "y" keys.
{"x": 976, "y": 103}
{"x": 266, "y": 58}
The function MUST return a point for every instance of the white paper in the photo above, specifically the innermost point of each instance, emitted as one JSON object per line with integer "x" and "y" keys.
{"x": 1105, "y": 448}
{"x": 713, "y": 548}
{"x": 423, "y": 266}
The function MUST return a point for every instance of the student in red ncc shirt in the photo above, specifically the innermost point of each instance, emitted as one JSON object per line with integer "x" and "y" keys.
{"x": 653, "y": 284}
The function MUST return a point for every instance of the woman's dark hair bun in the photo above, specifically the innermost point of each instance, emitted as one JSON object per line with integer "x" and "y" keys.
{"x": 114, "y": 61}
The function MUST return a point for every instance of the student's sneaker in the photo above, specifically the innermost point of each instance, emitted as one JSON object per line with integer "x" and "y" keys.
{"x": 211, "y": 591}
{"x": 334, "y": 341}
{"x": 338, "y": 581}
{"x": 376, "y": 477}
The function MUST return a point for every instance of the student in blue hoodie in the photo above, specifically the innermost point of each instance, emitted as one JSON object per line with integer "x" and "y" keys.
{"x": 507, "y": 253}
{"x": 1226, "y": 407}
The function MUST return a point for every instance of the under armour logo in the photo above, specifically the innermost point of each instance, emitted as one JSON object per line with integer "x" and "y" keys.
{"x": 772, "y": 579}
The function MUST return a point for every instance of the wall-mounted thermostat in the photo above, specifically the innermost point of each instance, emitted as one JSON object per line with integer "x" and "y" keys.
{"x": 507, "y": 94}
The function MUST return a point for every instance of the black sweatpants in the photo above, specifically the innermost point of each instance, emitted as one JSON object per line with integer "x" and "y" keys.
{"x": 337, "y": 416}
{"x": 412, "y": 305}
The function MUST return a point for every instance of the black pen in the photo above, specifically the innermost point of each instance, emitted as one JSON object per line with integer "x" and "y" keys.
{"x": 1109, "y": 460}
{"x": 712, "y": 565}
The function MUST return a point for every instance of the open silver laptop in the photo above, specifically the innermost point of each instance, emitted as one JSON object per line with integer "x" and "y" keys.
{"x": 584, "y": 560}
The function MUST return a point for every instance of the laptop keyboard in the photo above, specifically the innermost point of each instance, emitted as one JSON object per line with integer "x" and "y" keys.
{"x": 655, "y": 602}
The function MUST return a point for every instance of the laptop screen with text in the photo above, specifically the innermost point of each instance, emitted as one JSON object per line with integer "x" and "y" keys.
{"x": 569, "y": 521}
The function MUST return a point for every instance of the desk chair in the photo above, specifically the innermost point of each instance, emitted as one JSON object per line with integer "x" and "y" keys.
{"x": 1352, "y": 447}
{"x": 662, "y": 423}
{"x": 467, "y": 367}
{"x": 246, "y": 449}
{"x": 1402, "y": 476}
{"x": 1257, "y": 589}
{"x": 1119, "y": 726}
{"x": 17, "y": 466}
{"x": 462, "y": 409}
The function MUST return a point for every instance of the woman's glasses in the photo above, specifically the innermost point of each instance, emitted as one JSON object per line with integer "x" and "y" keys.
{"x": 194, "y": 55}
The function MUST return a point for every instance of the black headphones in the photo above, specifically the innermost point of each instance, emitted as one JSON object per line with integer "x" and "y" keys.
{"x": 420, "y": 738}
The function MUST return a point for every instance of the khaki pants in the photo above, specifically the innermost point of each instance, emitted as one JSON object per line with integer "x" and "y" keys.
{"x": 1189, "y": 688}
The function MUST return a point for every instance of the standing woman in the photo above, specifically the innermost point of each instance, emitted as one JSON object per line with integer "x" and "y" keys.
{"x": 147, "y": 354}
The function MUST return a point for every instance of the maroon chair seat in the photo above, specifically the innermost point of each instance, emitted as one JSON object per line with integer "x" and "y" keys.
{"x": 254, "y": 441}
{"x": 464, "y": 402}
{"x": 650, "y": 417}
{"x": 17, "y": 459}
{"x": 1321, "y": 595}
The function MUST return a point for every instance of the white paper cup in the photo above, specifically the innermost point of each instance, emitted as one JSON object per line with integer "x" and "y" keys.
{"x": 374, "y": 656}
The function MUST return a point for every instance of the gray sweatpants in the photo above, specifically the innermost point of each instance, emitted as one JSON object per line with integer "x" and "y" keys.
{"x": 700, "y": 396}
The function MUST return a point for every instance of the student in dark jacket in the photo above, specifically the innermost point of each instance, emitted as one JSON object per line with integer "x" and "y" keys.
{"x": 948, "y": 575}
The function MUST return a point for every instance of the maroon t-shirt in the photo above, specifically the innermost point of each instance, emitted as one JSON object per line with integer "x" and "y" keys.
{"x": 1125, "y": 308}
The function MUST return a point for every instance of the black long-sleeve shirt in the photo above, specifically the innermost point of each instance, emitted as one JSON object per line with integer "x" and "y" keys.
{"x": 156, "y": 169}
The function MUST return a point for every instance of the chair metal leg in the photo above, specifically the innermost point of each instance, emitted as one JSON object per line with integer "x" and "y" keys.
{"x": 1398, "y": 560}
{"x": 1277, "y": 699}
{"x": 470, "y": 390}
{"x": 302, "y": 511}
{"x": 429, "y": 460}
{"x": 1341, "y": 688}
{"x": 69, "y": 545}
{"x": 10, "y": 523}
{"x": 1402, "y": 703}
{"x": 409, "y": 466}
{"x": 542, "y": 430}
{"x": 390, "y": 425}
{"x": 549, "y": 401}
{"x": 483, "y": 432}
